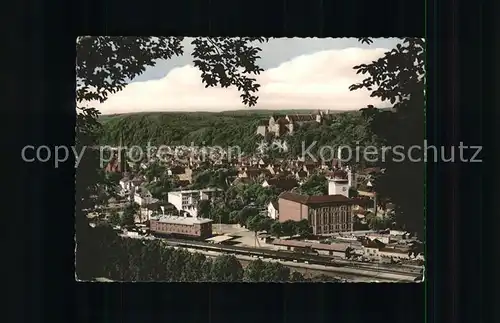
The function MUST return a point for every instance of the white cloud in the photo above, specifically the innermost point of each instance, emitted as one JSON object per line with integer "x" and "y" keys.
{"x": 317, "y": 81}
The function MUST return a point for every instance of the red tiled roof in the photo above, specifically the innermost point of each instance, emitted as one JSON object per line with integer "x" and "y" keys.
{"x": 332, "y": 247}
{"x": 315, "y": 199}
{"x": 114, "y": 166}
{"x": 283, "y": 183}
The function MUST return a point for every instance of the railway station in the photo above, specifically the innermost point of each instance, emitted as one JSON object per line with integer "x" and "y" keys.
{"x": 222, "y": 239}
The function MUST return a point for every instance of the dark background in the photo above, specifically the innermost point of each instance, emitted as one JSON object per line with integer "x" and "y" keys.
{"x": 40, "y": 96}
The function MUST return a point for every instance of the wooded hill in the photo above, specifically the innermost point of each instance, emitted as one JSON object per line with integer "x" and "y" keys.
{"x": 228, "y": 128}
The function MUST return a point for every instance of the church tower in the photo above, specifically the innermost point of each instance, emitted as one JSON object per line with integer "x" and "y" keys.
{"x": 338, "y": 186}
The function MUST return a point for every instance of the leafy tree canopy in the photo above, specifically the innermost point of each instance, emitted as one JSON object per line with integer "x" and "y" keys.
{"x": 398, "y": 77}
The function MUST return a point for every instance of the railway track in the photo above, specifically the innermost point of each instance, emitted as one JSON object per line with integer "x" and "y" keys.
{"x": 288, "y": 256}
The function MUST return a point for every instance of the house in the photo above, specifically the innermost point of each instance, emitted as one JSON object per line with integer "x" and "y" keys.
{"x": 286, "y": 184}
{"x": 262, "y": 128}
{"x": 280, "y": 125}
{"x": 168, "y": 209}
{"x": 182, "y": 226}
{"x": 371, "y": 248}
{"x": 187, "y": 200}
{"x": 176, "y": 170}
{"x": 143, "y": 197}
{"x": 273, "y": 210}
{"x": 250, "y": 173}
{"x": 326, "y": 214}
{"x": 273, "y": 170}
{"x": 310, "y": 167}
{"x": 126, "y": 184}
{"x": 301, "y": 175}
{"x": 183, "y": 183}
{"x": 263, "y": 162}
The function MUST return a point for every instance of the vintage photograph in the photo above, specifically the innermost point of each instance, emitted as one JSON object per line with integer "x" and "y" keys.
{"x": 250, "y": 159}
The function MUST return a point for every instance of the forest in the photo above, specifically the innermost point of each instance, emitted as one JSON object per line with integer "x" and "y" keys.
{"x": 227, "y": 129}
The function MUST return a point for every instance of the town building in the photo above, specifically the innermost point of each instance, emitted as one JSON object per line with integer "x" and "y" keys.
{"x": 326, "y": 214}
{"x": 143, "y": 197}
{"x": 341, "y": 181}
{"x": 273, "y": 210}
{"x": 281, "y": 183}
{"x": 332, "y": 249}
{"x": 280, "y": 125}
{"x": 182, "y": 226}
{"x": 187, "y": 200}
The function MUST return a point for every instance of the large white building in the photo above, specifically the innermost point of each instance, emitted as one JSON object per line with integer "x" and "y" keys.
{"x": 187, "y": 201}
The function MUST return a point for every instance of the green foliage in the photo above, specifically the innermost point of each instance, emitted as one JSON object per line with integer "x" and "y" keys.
{"x": 275, "y": 272}
{"x": 228, "y": 62}
{"x": 303, "y": 228}
{"x": 348, "y": 128}
{"x": 106, "y": 64}
{"x": 276, "y": 229}
{"x": 125, "y": 259}
{"x": 128, "y": 216}
{"x": 159, "y": 189}
{"x": 155, "y": 171}
{"x": 204, "y": 208}
{"x": 315, "y": 185}
{"x": 297, "y": 277}
{"x": 114, "y": 218}
{"x": 257, "y": 223}
{"x": 398, "y": 77}
{"x": 227, "y": 268}
{"x": 194, "y": 268}
{"x": 325, "y": 278}
{"x": 247, "y": 213}
{"x": 378, "y": 223}
{"x": 230, "y": 130}
{"x": 288, "y": 228}
{"x": 114, "y": 178}
{"x": 254, "y": 271}
{"x": 216, "y": 178}
{"x": 259, "y": 271}
{"x": 171, "y": 128}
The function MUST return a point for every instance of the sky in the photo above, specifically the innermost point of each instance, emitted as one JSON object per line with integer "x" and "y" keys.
{"x": 299, "y": 73}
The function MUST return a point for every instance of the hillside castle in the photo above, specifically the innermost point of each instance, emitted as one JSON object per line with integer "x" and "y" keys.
{"x": 280, "y": 125}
